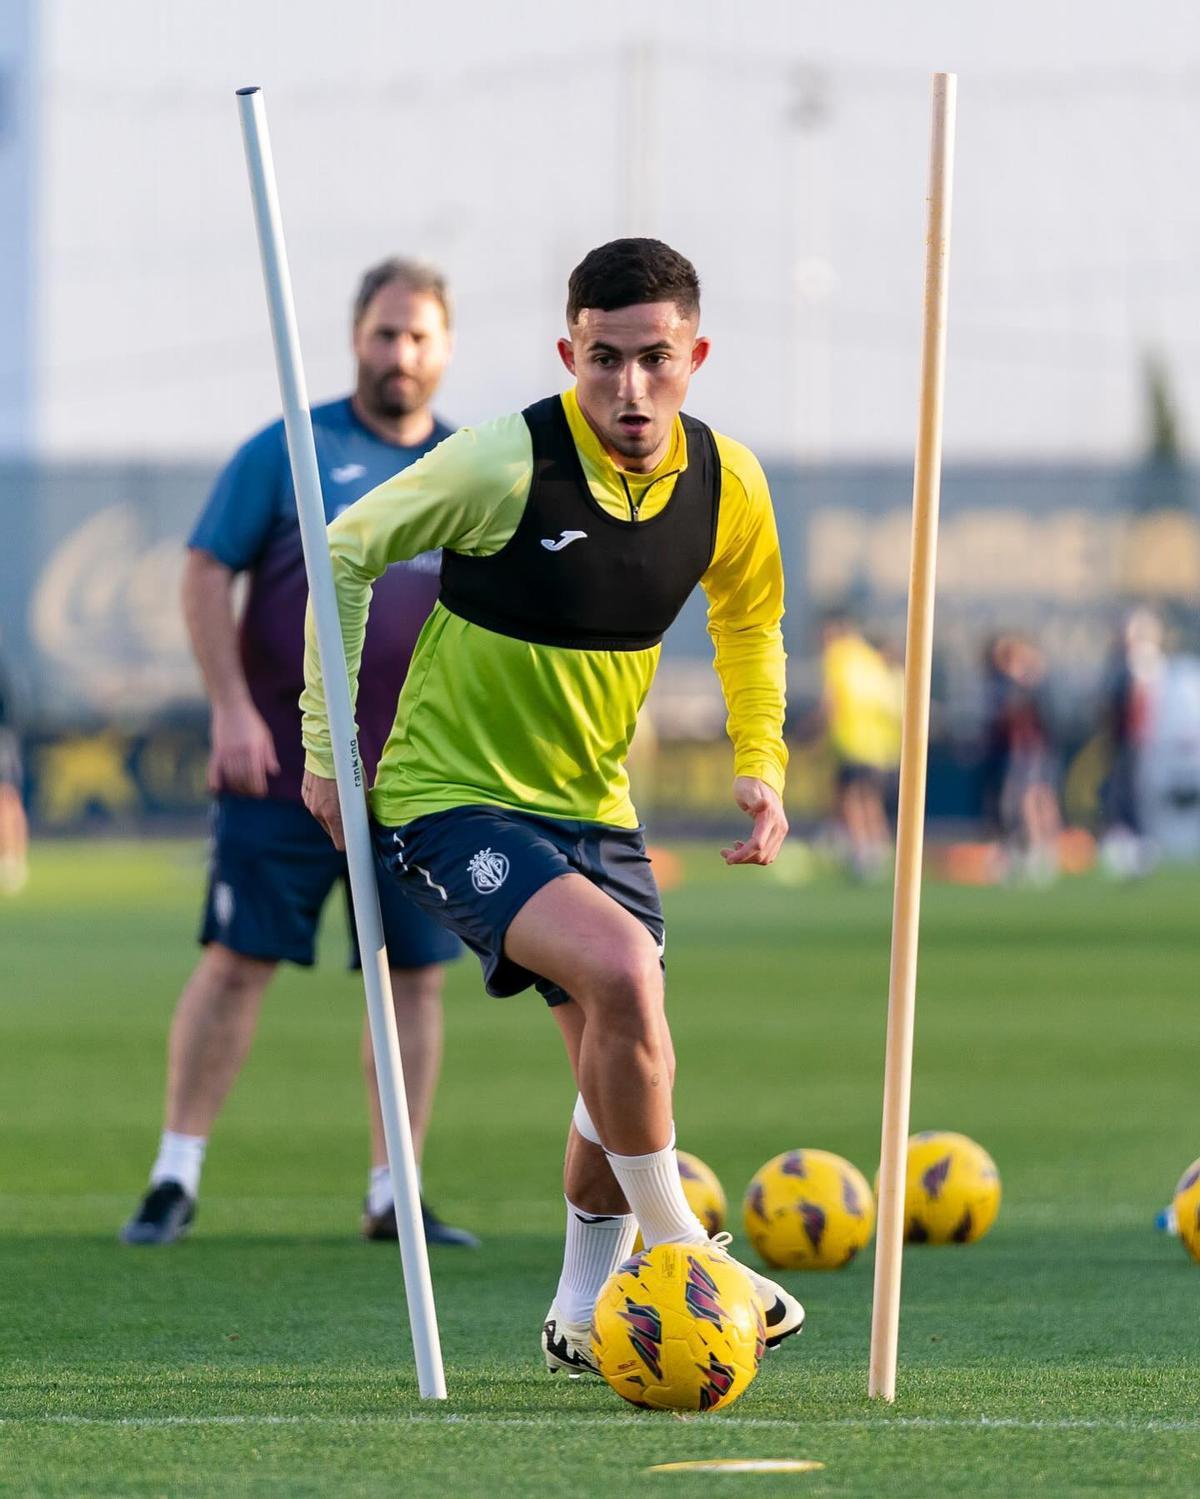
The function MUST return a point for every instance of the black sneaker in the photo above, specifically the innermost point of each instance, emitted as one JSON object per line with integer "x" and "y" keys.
{"x": 383, "y": 1226}
{"x": 165, "y": 1215}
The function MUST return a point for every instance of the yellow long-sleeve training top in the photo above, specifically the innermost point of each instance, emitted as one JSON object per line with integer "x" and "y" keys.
{"x": 485, "y": 718}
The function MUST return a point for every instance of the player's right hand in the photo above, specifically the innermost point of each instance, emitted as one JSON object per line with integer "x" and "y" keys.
{"x": 243, "y": 752}
{"x": 321, "y": 798}
{"x": 762, "y": 803}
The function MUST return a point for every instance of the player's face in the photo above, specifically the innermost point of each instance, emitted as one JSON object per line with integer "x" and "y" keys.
{"x": 632, "y": 367}
{"x": 402, "y": 346}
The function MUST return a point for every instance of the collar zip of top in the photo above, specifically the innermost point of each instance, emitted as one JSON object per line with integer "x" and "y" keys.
{"x": 593, "y": 451}
{"x": 636, "y": 505}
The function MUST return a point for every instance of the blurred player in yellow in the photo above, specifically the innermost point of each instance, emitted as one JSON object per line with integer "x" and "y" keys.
{"x": 860, "y": 699}
{"x": 14, "y": 830}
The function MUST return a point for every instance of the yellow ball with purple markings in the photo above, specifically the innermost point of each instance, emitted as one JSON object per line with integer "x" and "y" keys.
{"x": 1187, "y": 1209}
{"x": 808, "y": 1210}
{"x": 679, "y": 1328}
{"x": 951, "y": 1191}
{"x": 705, "y": 1195}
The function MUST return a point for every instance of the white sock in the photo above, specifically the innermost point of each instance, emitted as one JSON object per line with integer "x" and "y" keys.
{"x": 653, "y": 1190}
{"x": 179, "y": 1159}
{"x": 596, "y": 1244}
{"x": 379, "y": 1189}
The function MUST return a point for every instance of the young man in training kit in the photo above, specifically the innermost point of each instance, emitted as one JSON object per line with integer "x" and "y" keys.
{"x": 572, "y": 534}
{"x": 272, "y": 866}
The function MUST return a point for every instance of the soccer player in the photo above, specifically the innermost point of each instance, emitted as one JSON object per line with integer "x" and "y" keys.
{"x": 862, "y": 717}
{"x": 1131, "y": 702}
{"x": 14, "y": 828}
{"x": 272, "y": 866}
{"x": 1020, "y": 764}
{"x": 573, "y": 532}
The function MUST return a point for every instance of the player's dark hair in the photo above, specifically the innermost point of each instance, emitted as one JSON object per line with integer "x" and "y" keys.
{"x": 629, "y": 272}
{"x": 416, "y": 276}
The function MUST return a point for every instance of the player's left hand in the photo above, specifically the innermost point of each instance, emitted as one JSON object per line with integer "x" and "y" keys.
{"x": 758, "y": 800}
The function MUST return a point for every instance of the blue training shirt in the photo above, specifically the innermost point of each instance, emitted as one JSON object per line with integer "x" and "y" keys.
{"x": 250, "y": 525}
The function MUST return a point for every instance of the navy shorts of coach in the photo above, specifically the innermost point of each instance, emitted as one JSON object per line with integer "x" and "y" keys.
{"x": 473, "y": 868}
{"x": 272, "y": 868}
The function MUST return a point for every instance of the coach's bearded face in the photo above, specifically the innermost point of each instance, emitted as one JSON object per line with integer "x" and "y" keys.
{"x": 632, "y": 367}
{"x": 402, "y": 346}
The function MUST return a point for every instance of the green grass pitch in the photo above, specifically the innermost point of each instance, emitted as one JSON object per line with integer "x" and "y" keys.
{"x": 268, "y": 1355}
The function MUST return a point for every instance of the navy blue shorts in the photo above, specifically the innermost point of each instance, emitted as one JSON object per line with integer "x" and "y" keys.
{"x": 473, "y": 868}
{"x": 856, "y": 773}
{"x": 271, "y": 870}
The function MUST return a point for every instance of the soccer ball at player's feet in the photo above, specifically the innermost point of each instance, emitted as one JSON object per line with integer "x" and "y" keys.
{"x": 952, "y": 1189}
{"x": 1187, "y": 1209}
{"x": 679, "y": 1328}
{"x": 704, "y": 1192}
{"x": 808, "y": 1210}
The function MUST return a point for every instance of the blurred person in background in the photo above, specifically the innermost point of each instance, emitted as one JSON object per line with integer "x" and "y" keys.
{"x": 1134, "y": 686}
{"x": 892, "y": 723}
{"x": 1020, "y": 797}
{"x": 860, "y": 716}
{"x": 272, "y": 866}
{"x": 14, "y": 828}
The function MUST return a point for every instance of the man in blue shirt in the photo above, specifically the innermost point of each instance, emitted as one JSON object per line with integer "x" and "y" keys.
{"x": 272, "y": 864}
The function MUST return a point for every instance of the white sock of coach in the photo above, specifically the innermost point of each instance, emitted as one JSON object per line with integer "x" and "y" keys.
{"x": 179, "y": 1159}
{"x": 596, "y": 1244}
{"x": 653, "y": 1190}
{"x": 379, "y": 1190}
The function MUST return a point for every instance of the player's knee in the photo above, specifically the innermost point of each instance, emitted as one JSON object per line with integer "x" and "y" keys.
{"x": 417, "y": 988}
{"x": 626, "y": 989}
{"x": 633, "y": 974}
{"x": 235, "y": 979}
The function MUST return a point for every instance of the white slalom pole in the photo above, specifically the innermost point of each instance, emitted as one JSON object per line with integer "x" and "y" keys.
{"x": 307, "y": 480}
{"x": 910, "y": 829}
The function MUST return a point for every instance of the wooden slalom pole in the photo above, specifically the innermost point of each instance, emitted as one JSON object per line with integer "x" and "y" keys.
{"x": 910, "y": 830}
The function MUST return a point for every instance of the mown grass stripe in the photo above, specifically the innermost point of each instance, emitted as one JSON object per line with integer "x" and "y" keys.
{"x": 483, "y": 1418}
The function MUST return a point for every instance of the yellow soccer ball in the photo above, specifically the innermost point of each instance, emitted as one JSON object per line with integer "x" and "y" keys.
{"x": 679, "y": 1328}
{"x": 951, "y": 1190}
{"x": 808, "y": 1210}
{"x": 705, "y": 1195}
{"x": 1187, "y": 1209}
